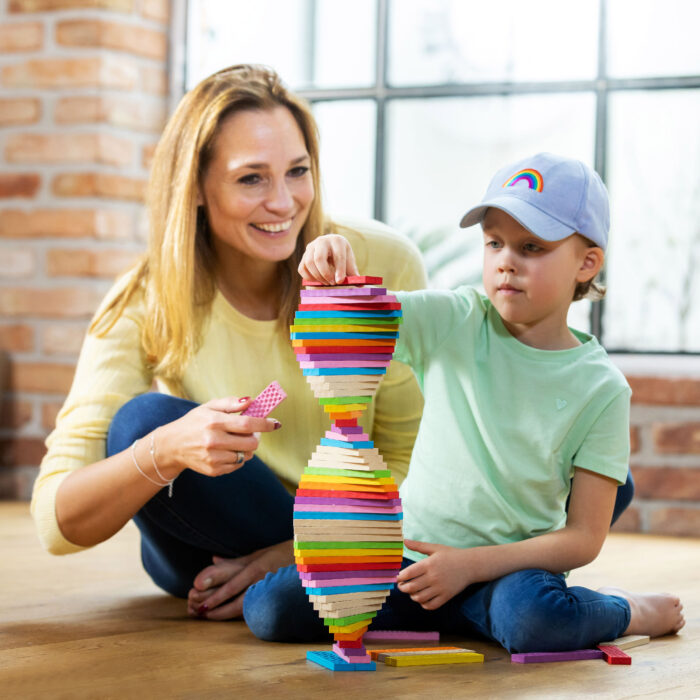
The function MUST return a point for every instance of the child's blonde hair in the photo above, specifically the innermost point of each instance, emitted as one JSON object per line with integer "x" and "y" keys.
{"x": 593, "y": 290}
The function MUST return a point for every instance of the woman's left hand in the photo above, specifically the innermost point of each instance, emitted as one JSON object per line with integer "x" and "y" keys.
{"x": 433, "y": 581}
{"x": 218, "y": 590}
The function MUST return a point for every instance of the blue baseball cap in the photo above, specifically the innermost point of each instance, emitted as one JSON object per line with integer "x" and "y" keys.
{"x": 551, "y": 196}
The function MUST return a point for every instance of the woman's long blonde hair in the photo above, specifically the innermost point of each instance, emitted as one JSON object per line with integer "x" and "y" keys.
{"x": 176, "y": 274}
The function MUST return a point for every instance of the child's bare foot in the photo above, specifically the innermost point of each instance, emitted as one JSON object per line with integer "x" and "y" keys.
{"x": 654, "y": 614}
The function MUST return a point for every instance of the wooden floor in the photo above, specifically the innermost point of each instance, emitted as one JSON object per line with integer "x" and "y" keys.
{"x": 92, "y": 625}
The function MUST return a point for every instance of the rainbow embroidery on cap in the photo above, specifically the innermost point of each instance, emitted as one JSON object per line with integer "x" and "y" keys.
{"x": 531, "y": 177}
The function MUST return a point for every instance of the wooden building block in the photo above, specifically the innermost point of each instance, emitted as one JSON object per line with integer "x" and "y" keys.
{"x": 615, "y": 655}
{"x": 543, "y": 657}
{"x": 342, "y": 290}
{"x": 364, "y": 453}
{"x": 350, "y": 280}
{"x": 359, "y": 537}
{"x": 310, "y": 585}
{"x": 320, "y": 305}
{"x": 401, "y": 635}
{"x": 344, "y": 632}
{"x": 434, "y": 659}
{"x": 390, "y": 503}
{"x": 338, "y": 575}
{"x": 332, "y": 661}
{"x": 350, "y": 301}
{"x": 359, "y": 566}
{"x": 438, "y": 651}
{"x": 374, "y": 653}
{"x": 345, "y": 654}
{"x": 628, "y": 642}
{"x": 268, "y": 399}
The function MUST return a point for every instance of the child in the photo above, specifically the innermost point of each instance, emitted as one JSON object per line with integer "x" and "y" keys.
{"x": 521, "y": 412}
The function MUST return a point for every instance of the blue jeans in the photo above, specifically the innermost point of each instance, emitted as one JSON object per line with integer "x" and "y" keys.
{"x": 230, "y": 515}
{"x": 530, "y": 610}
{"x": 239, "y": 513}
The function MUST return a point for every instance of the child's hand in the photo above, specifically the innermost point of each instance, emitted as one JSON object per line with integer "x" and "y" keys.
{"x": 328, "y": 259}
{"x": 433, "y": 581}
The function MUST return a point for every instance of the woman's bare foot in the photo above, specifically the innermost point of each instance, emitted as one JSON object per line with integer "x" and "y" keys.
{"x": 218, "y": 590}
{"x": 208, "y": 582}
{"x": 653, "y": 614}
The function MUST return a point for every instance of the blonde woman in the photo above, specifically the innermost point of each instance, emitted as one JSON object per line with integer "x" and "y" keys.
{"x": 234, "y": 198}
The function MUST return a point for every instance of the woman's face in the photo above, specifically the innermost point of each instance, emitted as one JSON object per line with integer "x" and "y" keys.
{"x": 257, "y": 189}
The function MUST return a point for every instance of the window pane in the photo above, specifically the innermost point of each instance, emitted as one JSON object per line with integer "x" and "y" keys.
{"x": 334, "y": 48}
{"x": 442, "y": 154}
{"x": 653, "y": 300}
{"x": 222, "y": 33}
{"x": 452, "y": 41}
{"x": 347, "y": 156}
{"x": 649, "y": 38}
{"x": 345, "y": 43}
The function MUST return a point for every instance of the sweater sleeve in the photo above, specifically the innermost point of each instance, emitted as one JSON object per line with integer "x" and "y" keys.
{"x": 399, "y": 401}
{"x": 110, "y": 371}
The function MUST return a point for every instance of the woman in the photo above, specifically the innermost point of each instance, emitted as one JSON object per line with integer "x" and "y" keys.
{"x": 234, "y": 198}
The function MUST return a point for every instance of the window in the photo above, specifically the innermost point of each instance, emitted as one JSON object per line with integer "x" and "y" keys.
{"x": 420, "y": 101}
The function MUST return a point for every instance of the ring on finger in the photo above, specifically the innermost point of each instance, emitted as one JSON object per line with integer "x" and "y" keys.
{"x": 240, "y": 456}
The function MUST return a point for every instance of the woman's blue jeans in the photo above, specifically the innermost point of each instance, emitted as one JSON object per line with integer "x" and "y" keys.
{"x": 231, "y": 515}
{"x": 242, "y": 512}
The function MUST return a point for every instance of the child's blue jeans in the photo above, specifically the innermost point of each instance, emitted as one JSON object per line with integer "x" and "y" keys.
{"x": 242, "y": 512}
{"x": 530, "y": 610}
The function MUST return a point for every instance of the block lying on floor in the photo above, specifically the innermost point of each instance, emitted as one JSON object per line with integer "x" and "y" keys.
{"x": 331, "y": 660}
{"x": 543, "y": 657}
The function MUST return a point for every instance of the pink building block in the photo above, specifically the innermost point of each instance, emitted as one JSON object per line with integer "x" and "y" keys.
{"x": 344, "y": 653}
{"x": 355, "y": 437}
{"x": 343, "y": 292}
{"x": 363, "y": 574}
{"x": 266, "y": 401}
{"x": 330, "y": 583}
{"x": 404, "y": 635}
{"x": 380, "y": 299}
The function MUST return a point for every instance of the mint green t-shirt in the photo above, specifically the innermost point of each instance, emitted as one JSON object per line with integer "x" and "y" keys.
{"x": 503, "y": 425}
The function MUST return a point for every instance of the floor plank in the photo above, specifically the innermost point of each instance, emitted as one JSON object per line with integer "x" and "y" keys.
{"x": 93, "y": 625}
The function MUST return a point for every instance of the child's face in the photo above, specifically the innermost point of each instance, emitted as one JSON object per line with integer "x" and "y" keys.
{"x": 531, "y": 281}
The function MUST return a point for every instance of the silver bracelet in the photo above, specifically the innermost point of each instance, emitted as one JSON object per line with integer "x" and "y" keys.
{"x": 155, "y": 466}
{"x": 143, "y": 473}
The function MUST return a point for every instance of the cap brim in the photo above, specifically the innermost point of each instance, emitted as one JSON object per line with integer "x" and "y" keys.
{"x": 534, "y": 220}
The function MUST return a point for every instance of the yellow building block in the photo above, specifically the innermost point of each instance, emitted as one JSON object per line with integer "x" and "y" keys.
{"x": 434, "y": 659}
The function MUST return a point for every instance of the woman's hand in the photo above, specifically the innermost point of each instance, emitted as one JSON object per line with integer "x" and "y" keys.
{"x": 211, "y": 439}
{"x": 433, "y": 581}
{"x": 328, "y": 259}
{"x": 218, "y": 590}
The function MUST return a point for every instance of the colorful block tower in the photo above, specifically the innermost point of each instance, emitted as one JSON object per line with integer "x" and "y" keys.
{"x": 348, "y": 539}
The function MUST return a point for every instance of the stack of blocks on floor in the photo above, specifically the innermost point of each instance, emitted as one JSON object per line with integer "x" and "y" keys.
{"x": 348, "y": 539}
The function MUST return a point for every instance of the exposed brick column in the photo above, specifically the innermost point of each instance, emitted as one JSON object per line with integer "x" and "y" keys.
{"x": 665, "y": 456}
{"x": 83, "y": 97}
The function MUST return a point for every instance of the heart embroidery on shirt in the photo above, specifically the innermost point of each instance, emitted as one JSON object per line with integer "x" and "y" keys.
{"x": 561, "y": 403}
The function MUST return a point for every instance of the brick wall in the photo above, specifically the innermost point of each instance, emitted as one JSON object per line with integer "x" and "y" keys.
{"x": 83, "y": 97}
{"x": 666, "y": 456}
